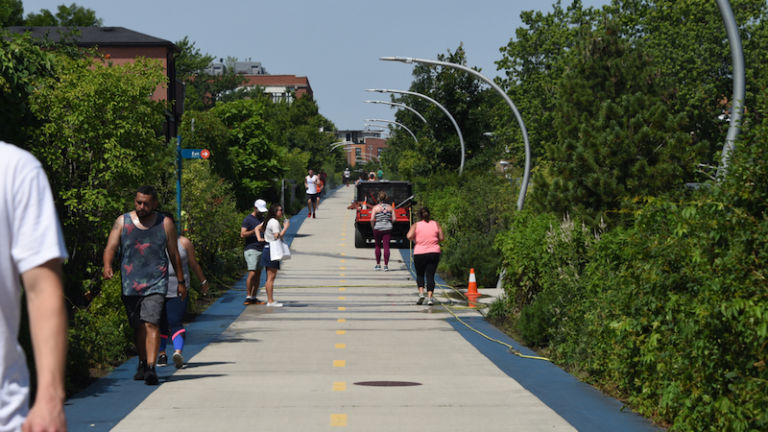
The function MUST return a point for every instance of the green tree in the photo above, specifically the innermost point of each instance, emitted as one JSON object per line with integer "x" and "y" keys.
{"x": 100, "y": 138}
{"x": 616, "y": 139}
{"x": 253, "y": 159}
{"x": 11, "y": 13}
{"x": 65, "y": 16}
{"x": 21, "y": 63}
{"x": 462, "y": 95}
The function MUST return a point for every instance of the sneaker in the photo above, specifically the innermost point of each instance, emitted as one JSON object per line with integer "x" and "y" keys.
{"x": 420, "y": 300}
{"x": 178, "y": 360}
{"x": 376, "y": 267}
{"x": 430, "y": 302}
{"x": 274, "y": 304}
{"x": 314, "y": 215}
{"x": 140, "y": 371}
{"x": 309, "y": 215}
{"x": 162, "y": 359}
{"x": 255, "y": 301}
{"x": 386, "y": 268}
{"x": 248, "y": 301}
{"x": 150, "y": 377}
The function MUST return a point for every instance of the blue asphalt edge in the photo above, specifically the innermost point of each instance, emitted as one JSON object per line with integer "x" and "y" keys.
{"x": 103, "y": 404}
{"x": 581, "y": 405}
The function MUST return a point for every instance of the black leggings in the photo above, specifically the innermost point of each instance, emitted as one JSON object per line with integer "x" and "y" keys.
{"x": 426, "y": 265}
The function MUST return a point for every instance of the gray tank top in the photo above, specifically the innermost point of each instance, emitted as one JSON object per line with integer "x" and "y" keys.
{"x": 173, "y": 281}
{"x": 384, "y": 219}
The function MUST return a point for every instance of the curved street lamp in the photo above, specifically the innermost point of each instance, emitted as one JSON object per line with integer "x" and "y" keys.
{"x": 527, "y": 172}
{"x": 394, "y": 123}
{"x": 399, "y": 105}
{"x": 737, "y": 101}
{"x": 455, "y": 125}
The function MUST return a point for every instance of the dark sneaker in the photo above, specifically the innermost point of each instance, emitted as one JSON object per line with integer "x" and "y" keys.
{"x": 257, "y": 302}
{"x": 178, "y": 360}
{"x": 314, "y": 215}
{"x": 385, "y": 268}
{"x": 140, "y": 371}
{"x": 420, "y": 301}
{"x": 376, "y": 267}
{"x": 248, "y": 301}
{"x": 150, "y": 377}
{"x": 162, "y": 359}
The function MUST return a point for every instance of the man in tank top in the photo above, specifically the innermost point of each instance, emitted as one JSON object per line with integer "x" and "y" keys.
{"x": 142, "y": 237}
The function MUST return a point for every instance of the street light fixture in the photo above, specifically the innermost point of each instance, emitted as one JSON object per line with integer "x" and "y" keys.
{"x": 399, "y": 105}
{"x": 396, "y": 124}
{"x": 527, "y": 172}
{"x": 423, "y": 96}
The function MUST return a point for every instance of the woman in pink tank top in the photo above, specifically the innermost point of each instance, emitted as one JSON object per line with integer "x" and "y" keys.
{"x": 426, "y": 236}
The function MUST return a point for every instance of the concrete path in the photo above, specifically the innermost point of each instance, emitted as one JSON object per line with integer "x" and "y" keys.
{"x": 349, "y": 351}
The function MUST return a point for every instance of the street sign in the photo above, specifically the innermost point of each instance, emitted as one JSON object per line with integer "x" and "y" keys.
{"x": 195, "y": 153}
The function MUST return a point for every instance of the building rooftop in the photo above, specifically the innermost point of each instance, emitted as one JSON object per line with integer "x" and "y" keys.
{"x": 93, "y": 36}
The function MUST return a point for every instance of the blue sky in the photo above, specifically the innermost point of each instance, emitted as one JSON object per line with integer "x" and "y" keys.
{"x": 335, "y": 43}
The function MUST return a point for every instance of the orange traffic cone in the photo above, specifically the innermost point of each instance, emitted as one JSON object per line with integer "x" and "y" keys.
{"x": 472, "y": 293}
{"x": 472, "y": 287}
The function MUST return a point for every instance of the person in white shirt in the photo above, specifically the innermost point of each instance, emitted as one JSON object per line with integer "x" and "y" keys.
{"x": 269, "y": 231}
{"x": 31, "y": 246}
{"x": 310, "y": 182}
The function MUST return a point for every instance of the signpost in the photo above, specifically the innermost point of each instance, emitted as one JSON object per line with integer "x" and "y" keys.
{"x": 180, "y": 155}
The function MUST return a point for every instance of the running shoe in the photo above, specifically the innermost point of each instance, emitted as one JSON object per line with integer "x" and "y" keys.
{"x": 248, "y": 301}
{"x": 420, "y": 300}
{"x": 376, "y": 267}
{"x": 141, "y": 371}
{"x": 274, "y": 304}
{"x": 386, "y": 268}
{"x": 150, "y": 377}
{"x": 178, "y": 360}
{"x": 309, "y": 215}
{"x": 314, "y": 215}
{"x": 162, "y": 359}
{"x": 430, "y": 302}
{"x": 255, "y": 301}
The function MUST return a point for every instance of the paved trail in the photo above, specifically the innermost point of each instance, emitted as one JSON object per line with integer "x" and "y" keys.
{"x": 302, "y": 367}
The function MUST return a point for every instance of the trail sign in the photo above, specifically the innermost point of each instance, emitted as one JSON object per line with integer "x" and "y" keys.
{"x": 195, "y": 153}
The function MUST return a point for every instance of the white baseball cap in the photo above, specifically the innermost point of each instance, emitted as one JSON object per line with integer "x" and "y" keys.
{"x": 260, "y": 205}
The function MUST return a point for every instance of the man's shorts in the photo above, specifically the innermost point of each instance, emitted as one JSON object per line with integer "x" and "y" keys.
{"x": 148, "y": 308}
{"x": 312, "y": 197}
{"x": 252, "y": 259}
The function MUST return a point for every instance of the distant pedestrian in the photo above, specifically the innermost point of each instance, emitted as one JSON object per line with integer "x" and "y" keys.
{"x": 310, "y": 182}
{"x": 31, "y": 252}
{"x": 371, "y": 176}
{"x": 322, "y": 177}
{"x": 347, "y": 176}
{"x": 380, "y": 174}
{"x": 381, "y": 222}
{"x": 172, "y": 325}
{"x": 253, "y": 250}
{"x": 426, "y": 236}
{"x": 142, "y": 237}
{"x": 271, "y": 231}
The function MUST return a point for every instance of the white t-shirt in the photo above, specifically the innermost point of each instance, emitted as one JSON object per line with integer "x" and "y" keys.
{"x": 311, "y": 184}
{"x": 30, "y": 235}
{"x": 272, "y": 229}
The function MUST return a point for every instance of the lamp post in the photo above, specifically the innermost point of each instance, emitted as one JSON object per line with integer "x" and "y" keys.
{"x": 399, "y": 105}
{"x": 527, "y": 172}
{"x": 394, "y": 123}
{"x": 737, "y": 101}
{"x": 423, "y": 96}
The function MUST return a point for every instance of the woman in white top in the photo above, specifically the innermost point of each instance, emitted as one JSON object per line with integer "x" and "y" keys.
{"x": 269, "y": 231}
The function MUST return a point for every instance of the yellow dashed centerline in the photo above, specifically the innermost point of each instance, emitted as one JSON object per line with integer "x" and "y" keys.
{"x": 339, "y": 363}
{"x": 338, "y": 419}
{"x": 342, "y": 308}
{"x": 341, "y": 332}
{"x": 341, "y": 320}
{"x": 341, "y": 346}
{"x": 342, "y": 298}
{"x": 339, "y": 386}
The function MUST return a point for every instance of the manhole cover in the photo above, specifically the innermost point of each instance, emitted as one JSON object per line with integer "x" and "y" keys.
{"x": 387, "y": 383}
